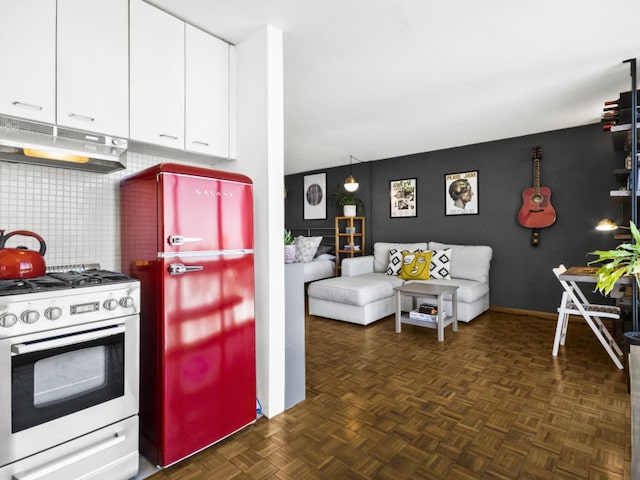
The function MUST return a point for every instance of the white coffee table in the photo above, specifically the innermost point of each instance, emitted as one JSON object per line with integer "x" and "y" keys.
{"x": 428, "y": 289}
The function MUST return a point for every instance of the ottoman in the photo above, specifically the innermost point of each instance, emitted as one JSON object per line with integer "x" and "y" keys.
{"x": 361, "y": 299}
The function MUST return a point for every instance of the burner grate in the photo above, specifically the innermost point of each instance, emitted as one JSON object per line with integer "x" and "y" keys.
{"x": 61, "y": 280}
{"x": 29, "y": 285}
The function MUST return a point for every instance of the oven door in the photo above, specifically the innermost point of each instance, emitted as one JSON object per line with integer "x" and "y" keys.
{"x": 66, "y": 383}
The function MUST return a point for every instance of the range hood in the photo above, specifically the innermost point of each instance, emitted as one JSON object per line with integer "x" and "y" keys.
{"x": 36, "y": 143}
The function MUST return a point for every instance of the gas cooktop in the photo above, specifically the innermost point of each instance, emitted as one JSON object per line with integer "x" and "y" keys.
{"x": 62, "y": 280}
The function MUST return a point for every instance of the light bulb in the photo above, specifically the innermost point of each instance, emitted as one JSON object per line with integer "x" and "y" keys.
{"x": 351, "y": 184}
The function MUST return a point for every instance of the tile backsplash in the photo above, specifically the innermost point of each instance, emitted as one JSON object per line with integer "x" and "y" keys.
{"x": 76, "y": 213}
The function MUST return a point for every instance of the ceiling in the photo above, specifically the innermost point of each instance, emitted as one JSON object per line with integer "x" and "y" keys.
{"x": 383, "y": 78}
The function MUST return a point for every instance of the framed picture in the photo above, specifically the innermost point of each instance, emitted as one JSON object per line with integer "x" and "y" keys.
{"x": 402, "y": 195}
{"x": 461, "y": 193}
{"x": 315, "y": 196}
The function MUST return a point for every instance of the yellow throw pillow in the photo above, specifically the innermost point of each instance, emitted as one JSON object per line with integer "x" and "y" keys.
{"x": 415, "y": 265}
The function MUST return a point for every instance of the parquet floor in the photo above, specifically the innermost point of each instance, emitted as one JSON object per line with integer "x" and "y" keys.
{"x": 488, "y": 403}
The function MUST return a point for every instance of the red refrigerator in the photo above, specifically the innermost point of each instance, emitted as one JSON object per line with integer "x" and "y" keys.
{"x": 187, "y": 235}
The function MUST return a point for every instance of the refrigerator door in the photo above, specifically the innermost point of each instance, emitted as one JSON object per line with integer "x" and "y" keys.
{"x": 204, "y": 214}
{"x": 209, "y": 366}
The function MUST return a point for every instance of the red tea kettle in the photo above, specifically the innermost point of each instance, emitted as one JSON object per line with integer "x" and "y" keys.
{"x": 20, "y": 262}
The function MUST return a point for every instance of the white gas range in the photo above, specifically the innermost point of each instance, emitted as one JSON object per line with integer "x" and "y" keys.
{"x": 69, "y": 342}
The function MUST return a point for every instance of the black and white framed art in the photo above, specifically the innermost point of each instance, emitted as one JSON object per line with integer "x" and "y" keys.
{"x": 315, "y": 196}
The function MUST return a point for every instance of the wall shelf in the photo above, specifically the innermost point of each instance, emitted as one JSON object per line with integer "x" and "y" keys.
{"x": 621, "y": 137}
{"x": 350, "y": 239}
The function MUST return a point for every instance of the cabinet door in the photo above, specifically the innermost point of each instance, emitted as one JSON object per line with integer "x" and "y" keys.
{"x": 28, "y": 56}
{"x": 206, "y": 93}
{"x": 157, "y": 76}
{"x": 93, "y": 65}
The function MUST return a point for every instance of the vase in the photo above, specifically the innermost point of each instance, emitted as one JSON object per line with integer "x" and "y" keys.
{"x": 349, "y": 210}
{"x": 289, "y": 253}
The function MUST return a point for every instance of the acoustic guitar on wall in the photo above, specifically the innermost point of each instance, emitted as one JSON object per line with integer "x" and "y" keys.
{"x": 536, "y": 211}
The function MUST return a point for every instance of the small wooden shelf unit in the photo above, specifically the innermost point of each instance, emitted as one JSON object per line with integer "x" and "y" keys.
{"x": 350, "y": 239}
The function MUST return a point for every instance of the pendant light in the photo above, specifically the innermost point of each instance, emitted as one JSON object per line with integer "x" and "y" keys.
{"x": 350, "y": 183}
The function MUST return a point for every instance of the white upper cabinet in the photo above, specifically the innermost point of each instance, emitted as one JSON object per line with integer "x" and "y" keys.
{"x": 156, "y": 76}
{"x": 206, "y": 93}
{"x": 93, "y": 65}
{"x": 28, "y": 56}
{"x": 91, "y": 61}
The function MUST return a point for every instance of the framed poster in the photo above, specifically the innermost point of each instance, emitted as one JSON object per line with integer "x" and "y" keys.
{"x": 315, "y": 196}
{"x": 402, "y": 195}
{"x": 461, "y": 193}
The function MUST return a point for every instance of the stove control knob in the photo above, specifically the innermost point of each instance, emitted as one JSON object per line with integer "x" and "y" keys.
{"x": 30, "y": 316}
{"x": 110, "y": 304}
{"x": 8, "y": 320}
{"x": 53, "y": 313}
{"x": 126, "y": 302}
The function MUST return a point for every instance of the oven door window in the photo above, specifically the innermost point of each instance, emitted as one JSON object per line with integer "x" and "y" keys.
{"x": 54, "y": 382}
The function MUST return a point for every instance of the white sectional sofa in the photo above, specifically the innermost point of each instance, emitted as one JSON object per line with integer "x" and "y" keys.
{"x": 364, "y": 292}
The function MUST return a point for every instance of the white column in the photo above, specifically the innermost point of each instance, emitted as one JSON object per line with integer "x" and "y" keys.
{"x": 260, "y": 155}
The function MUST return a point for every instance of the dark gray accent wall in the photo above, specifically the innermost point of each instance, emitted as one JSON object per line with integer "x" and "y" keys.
{"x": 577, "y": 165}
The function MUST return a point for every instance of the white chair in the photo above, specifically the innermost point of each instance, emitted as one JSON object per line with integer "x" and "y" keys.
{"x": 575, "y": 303}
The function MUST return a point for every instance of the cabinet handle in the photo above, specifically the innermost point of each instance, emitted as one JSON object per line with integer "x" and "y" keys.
{"x": 170, "y": 137}
{"x": 77, "y": 116}
{"x": 29, "y": 106}
{"x": 198, "y": 142}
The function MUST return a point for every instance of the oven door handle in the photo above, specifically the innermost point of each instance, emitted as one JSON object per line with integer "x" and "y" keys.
{"x": 22, "y": 348}
{"x": 46, "y": 470}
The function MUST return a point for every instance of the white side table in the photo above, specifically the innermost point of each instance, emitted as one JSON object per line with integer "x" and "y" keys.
{"x": 428, "y": 289}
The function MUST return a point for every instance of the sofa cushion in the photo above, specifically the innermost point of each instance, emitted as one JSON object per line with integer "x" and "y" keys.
{"x": 381, "y": 252}
{"x": 416, "y": 265}
{"x": 306, "y": 248}
{"x": 395, "y": 260}
{"x": 441, "y": 264}
{"x": 358, "y": 290}
{"x": 467, "y": 261}
{"x": 323, "y": 250}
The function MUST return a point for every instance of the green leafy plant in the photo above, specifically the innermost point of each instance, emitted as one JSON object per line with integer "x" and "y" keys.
{"x": 288, "y": 238}
{"x": 621, "y": 261}
{"x": 343, "y": 198}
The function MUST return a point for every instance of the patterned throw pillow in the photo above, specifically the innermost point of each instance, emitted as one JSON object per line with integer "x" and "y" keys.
{"x": 395, "y": 260}
{"x": 440, "y": 268}
{"x": 306, "y": 248}
{"x": 415, "y": 265}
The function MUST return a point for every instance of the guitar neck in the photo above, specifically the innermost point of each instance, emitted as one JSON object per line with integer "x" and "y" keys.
{"x": 536, "y": 175}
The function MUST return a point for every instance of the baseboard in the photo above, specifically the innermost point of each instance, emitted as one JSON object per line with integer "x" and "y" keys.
{"x": 530, "y": 313}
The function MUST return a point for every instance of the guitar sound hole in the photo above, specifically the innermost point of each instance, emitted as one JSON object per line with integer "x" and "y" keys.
{"x": 537, "y": 199}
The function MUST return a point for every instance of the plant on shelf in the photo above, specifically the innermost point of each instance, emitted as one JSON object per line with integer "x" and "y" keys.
{"x": 289, "y": 247}
{"x": 622, "y": 261}
{"x": 344, "y": 198}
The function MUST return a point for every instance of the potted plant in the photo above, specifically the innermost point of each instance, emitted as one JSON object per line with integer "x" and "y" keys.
{"x": 289, "y": 247}
{"x": 350, "y": 204}
{"x": 622, "y": 261}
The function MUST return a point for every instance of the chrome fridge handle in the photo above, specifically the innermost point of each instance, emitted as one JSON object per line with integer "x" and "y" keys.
{"x": 179, "y": 268}
{"x": 180, "y": 240}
